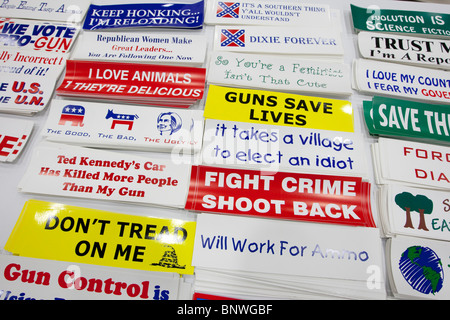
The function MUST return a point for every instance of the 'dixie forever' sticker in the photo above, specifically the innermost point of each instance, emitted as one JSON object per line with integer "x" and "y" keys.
{"x": 279, "y": 40}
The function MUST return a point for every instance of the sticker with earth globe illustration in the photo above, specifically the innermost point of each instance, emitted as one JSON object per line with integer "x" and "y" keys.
{"x": 422, "y": 269}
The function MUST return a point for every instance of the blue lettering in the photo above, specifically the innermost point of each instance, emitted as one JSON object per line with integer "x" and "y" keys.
{"x": 239, "y": 245}
{"x": 14, "y": 28}
{"x": 208, "y": 242}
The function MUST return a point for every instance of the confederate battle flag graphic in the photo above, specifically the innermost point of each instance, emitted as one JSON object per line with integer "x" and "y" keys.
{"x": 232, "y": 38}
{"x": 228, "y": 10}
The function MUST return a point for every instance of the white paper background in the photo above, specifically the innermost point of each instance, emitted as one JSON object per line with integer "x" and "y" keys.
{"x": 10, "y": 174}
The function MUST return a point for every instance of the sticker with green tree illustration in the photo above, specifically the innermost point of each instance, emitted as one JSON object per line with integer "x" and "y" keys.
{"x": 417, "y": 212}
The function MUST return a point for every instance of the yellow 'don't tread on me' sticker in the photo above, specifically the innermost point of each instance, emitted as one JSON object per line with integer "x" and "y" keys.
{"x": 54, "y": 231}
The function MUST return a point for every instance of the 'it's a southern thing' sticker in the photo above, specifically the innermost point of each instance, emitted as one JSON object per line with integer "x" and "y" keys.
{"x": 267, "y": 13}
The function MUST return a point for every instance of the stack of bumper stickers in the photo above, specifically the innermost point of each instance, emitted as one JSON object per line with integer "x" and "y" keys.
{"x": 279, "y": 259}
{"x": 62, "y": 170}
{"x": 413, "y": 172}
{"x": 112, "y": 14}
{"x": 278, "y": 108}
{"x": 267, "y": 27}
{"x": 401, "y": 118}
{"x": 260, "y": 232}
{"x": 418, "y": 268}
{"x": 267, "y": 13}
{"x": 33, "y": 55}
{"x": 416, "y": 83}
{"x": 174, "y": 47}
{"x": 59, "y": 280}
{"x": 103, "y": 69}
{"x": 134, "y": 83}
{"x": 412, "y": 163}
{"x": 270, "y": 177}
{"x": 100, "y": 254}
{"x": 14, "y": 135}
{"x": 409, "y": 64}
{"x": 285, "y": 74}
{"x": 78, "y": 238}
{"x": 281, "y": 195}
{"x": 51, "y": 10}
{"x": 291, "y": 164}
{"x": 101, "y": 125}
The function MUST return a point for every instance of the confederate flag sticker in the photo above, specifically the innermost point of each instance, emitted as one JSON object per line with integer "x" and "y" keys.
{"x": 228, "y": 10}
{"x": 232, "y": 38}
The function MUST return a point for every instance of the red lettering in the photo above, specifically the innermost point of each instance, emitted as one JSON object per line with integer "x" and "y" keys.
{"x": 4, "y": 144}
{"x": 26, "y": 276}
{"x": 12, "y": 276}
{"x": 425, "y": 154}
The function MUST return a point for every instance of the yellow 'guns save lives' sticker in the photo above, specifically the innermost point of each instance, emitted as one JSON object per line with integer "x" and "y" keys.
{"x": 276, "y": 108}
